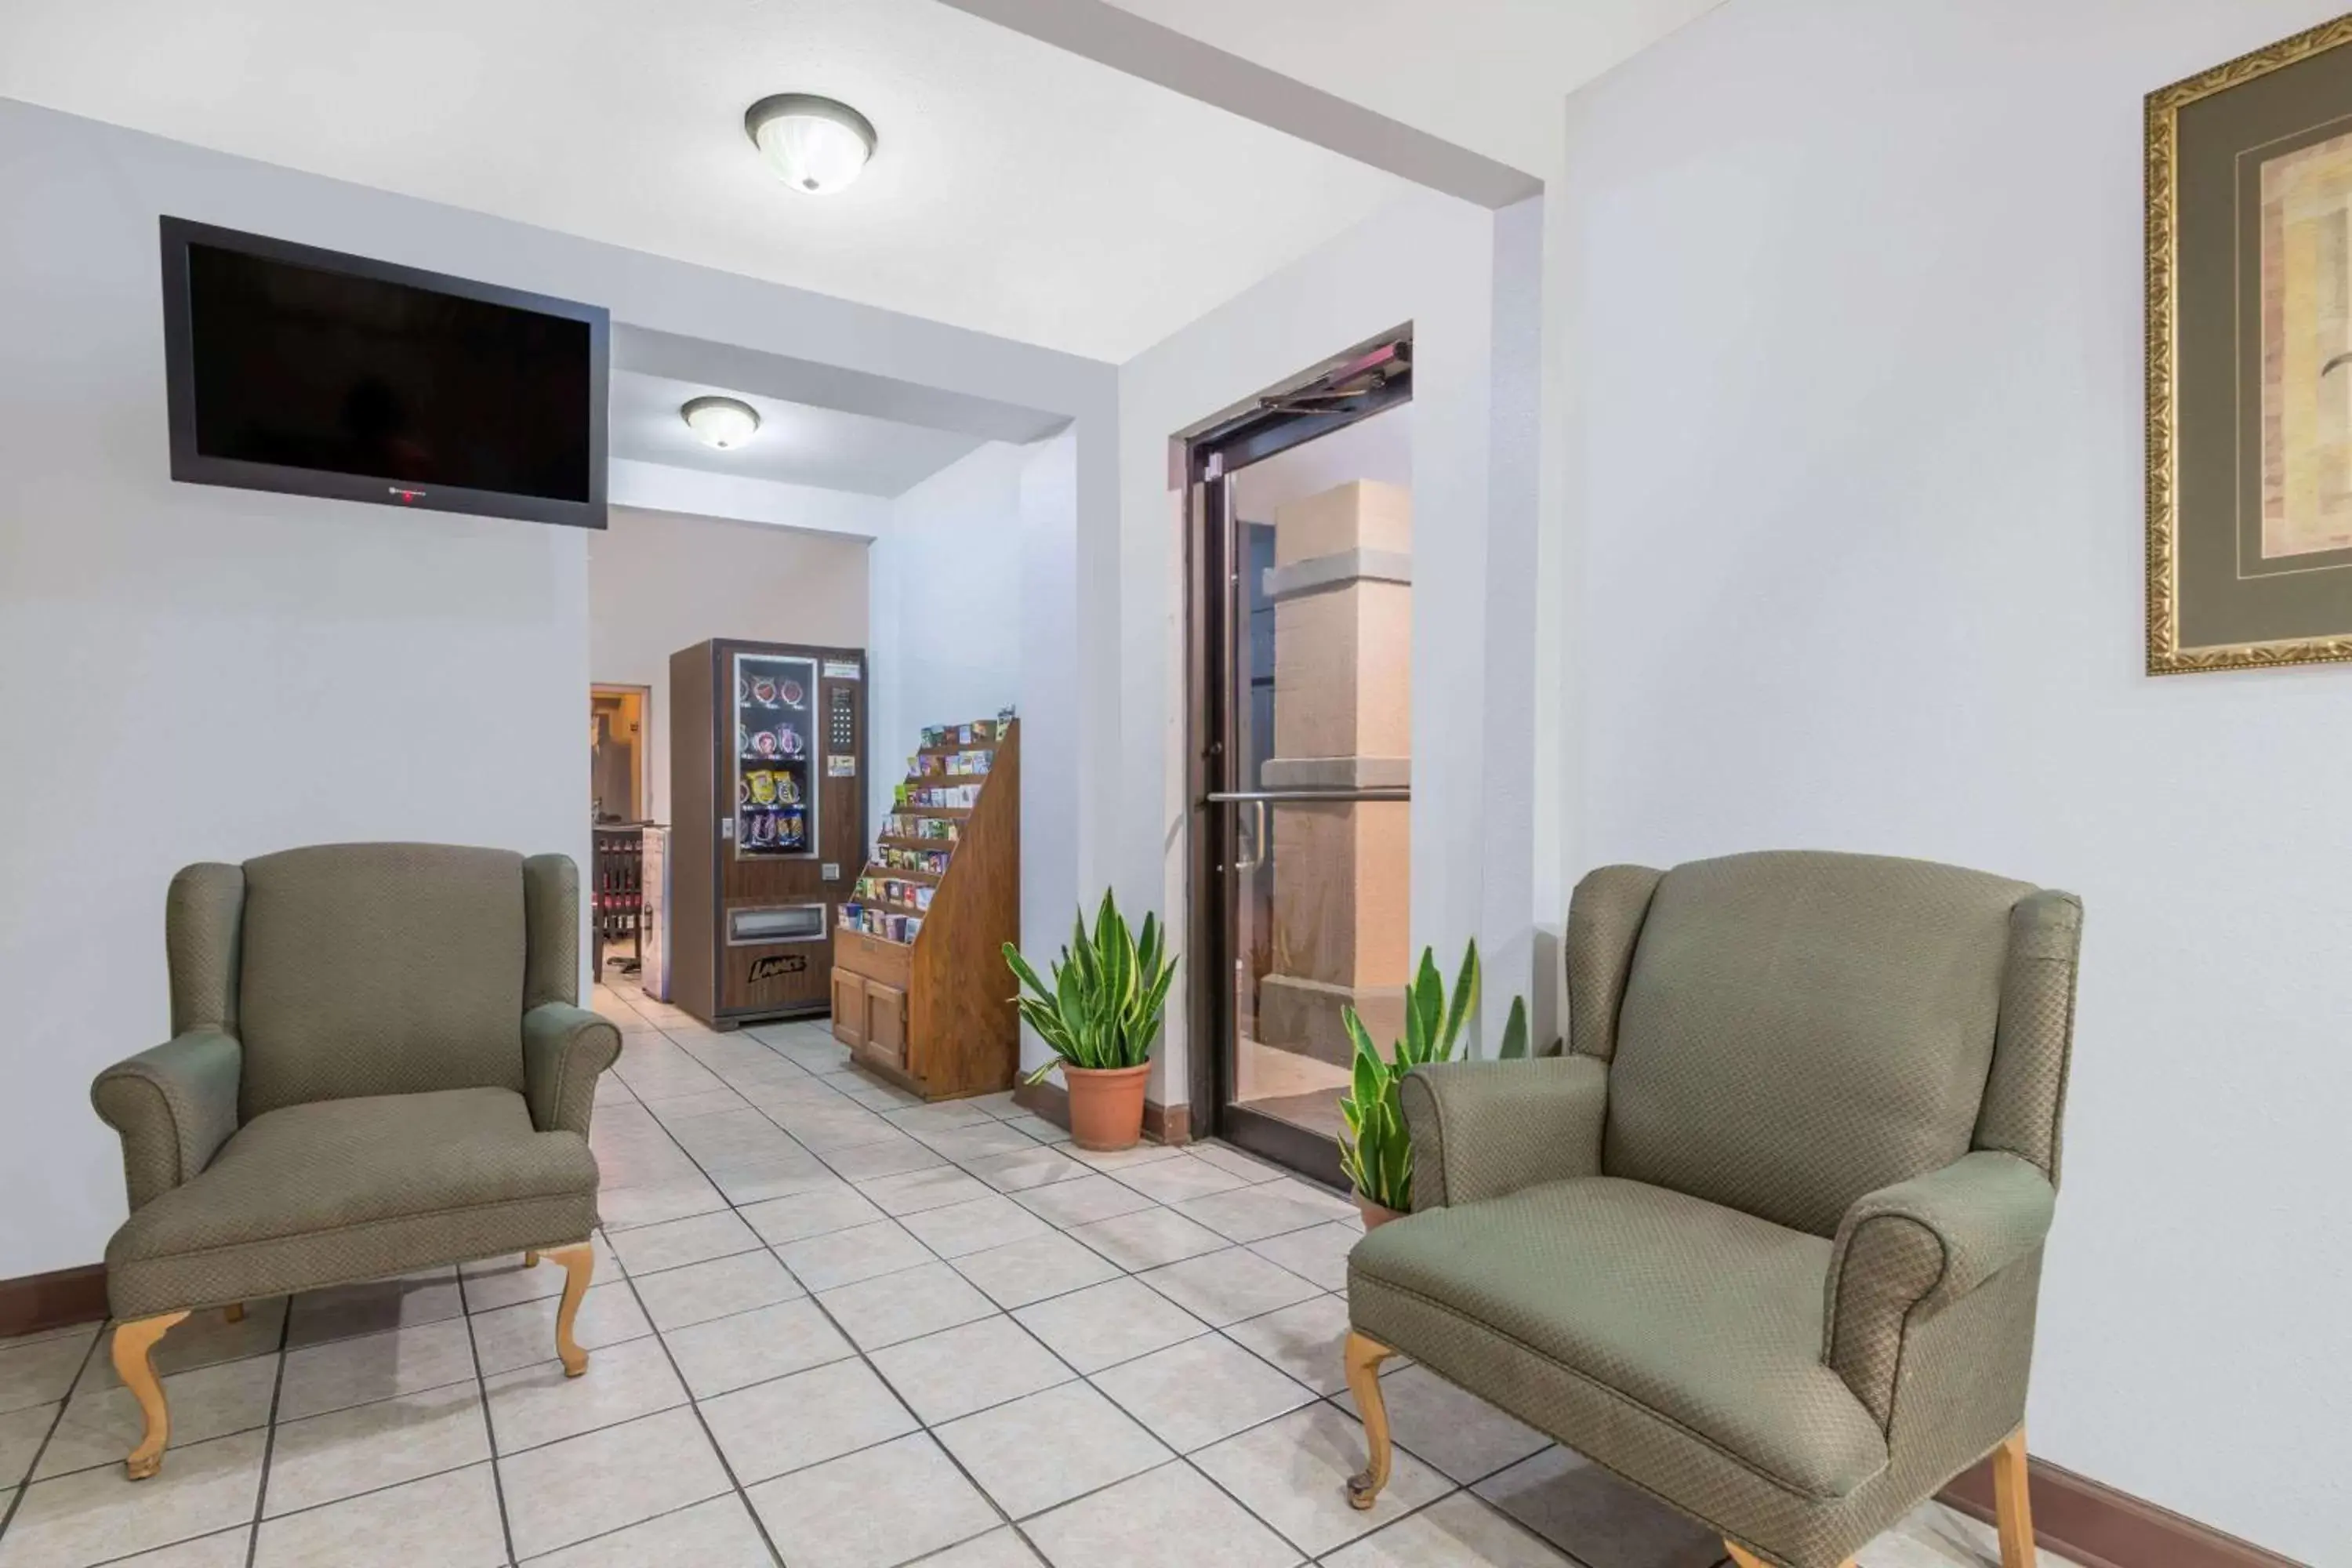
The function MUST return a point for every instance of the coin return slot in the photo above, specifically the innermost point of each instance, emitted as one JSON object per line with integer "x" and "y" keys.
{"x": 798, "y": 922}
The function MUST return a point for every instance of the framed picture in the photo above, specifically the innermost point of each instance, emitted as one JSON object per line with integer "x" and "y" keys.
{"x": 2250, "y": 361}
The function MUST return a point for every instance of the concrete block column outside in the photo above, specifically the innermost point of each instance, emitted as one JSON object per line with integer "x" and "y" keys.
{"x": 1341, "y": 587}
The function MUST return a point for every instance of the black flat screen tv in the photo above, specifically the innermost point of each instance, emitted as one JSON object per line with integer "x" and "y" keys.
{"x": 307, "y": 371}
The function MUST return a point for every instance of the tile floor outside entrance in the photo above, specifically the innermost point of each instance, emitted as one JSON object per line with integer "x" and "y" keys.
{"x": 832, "y": 1327}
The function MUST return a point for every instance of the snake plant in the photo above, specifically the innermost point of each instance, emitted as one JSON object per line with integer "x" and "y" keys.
{"x": 1377, "y": 1151}
{"x": 1102, "y": 1009}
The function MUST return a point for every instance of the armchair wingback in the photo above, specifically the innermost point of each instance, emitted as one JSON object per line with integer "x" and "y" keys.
{"x": 1766, "y": 1241}
{"x": 377, "y": 1064}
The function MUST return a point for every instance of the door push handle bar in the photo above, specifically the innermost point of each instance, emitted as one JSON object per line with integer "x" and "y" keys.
{"x": 1258, "y": 799}
{"x": 1307, "y": 797}
{"x": 1256, "y": 856}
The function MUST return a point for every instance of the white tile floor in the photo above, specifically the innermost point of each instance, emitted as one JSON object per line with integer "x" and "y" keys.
{"x": 832, "y": 1328}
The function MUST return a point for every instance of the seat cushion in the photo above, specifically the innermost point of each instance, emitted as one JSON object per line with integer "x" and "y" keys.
{"x": 1801, "y": 1028}
{"x": 1695, "y": 1319}
{"x": 355, "y": 1189}
{"x": 380, "y": 969}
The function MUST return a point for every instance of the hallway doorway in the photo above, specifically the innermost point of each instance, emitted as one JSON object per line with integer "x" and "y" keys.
{"x": 620, "y": 756}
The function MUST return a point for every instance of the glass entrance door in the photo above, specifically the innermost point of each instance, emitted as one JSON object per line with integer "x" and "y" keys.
{"x": 1303, "y": 629}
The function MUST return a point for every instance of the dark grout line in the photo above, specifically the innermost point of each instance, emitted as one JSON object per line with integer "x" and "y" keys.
{"x": 489, "y": 1429}
{"x": 364, "y": 1491}
{"x": 693, "y": 1402}
{"x": 33, "y": 1464}
{"x": 270, "y": 1434}
{"x": 859, "y": 1351}
{"x": 855, "y": 1351}
{"x": 664, "y": 1513}
{"x": 864, "y": 1358}
{"x": 1316, "y": 1397}
{"x": 927, "y": 1429}
{"x": 876, "y": 1373}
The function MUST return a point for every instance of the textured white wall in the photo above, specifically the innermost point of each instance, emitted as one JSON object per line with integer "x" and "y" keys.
{"x": 658, "y": 581}
{"x": 948, "y": 601}
{"x": 208, "y": 673}
{"x": 975, "y": 607}
{"x": 1053, "y": 485}
{"x": 1853, "y": 299}
{"x": 192, "y": 673}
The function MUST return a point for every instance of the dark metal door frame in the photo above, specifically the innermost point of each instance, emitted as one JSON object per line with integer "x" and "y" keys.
{"x": 1366, "y": 381}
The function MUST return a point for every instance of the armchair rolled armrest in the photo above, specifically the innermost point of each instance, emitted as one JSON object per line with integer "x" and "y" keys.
{"x": 1907, "y": 1252}
{"x": 173, "y": 1105}
{"x": 1484, "y": 1128}
{"x": 563, "y": 1049}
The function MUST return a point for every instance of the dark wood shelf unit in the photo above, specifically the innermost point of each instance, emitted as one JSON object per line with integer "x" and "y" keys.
{"x": 935, "y": 1016}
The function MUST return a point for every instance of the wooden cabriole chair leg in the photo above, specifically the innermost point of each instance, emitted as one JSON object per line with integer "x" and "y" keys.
{"x": 2012, "y": 1508}
{"x": 579, "y": 1263}
{"x": 1364, "y": 1355}
{"x": 134, "y": 1363}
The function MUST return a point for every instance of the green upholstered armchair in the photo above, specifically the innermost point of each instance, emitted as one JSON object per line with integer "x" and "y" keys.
{"x": 377, "y": 1064}
{"x": 1765, "y": 1242}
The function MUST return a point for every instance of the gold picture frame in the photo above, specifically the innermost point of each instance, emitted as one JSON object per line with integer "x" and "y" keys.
{"x": 2294, "y": 607}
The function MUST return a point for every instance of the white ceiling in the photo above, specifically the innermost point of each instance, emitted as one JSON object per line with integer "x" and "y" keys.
{"x": 1019, "y": 190}
{"x": 1488, "y": 75}
{"x": 796, "y": 444}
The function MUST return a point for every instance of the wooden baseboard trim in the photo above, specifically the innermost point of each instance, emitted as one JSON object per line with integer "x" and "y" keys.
{"x": 1050, "y": 1101}
{"x": 1168, "y": 1124}
{"x": 2100, "y": 1527}
{"x": 40, "y": 1301}
{"x": 1161, "y": 1123}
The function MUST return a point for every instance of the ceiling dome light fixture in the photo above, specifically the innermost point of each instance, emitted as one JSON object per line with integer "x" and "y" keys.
{"x": 720, "y": 421}
{"x": 814, "y": 143}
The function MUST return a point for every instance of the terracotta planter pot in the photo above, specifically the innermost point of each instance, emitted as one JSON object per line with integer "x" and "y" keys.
{"x": 1106, "y": 1105}
{"x": 1375, "y": 1214}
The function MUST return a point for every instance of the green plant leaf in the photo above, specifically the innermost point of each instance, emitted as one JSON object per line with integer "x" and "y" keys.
{"x": 1071, "y": 1001}
{"x": 1154, "y": 1002}
{"x": 1466, "y": 1001}
{"x": 1047, "y": 1021}
{"x": 1425, "y": 1002}
{"x": 1148, "y": 944}
{"x": 1367, "y": 1083}
{"x": 1103, "y": 1006}
{"x": 1376, "y": 1151}
{"x": 1376, "y": 1147}
{"x": 1022, "y": 972}
{"x": 1112, "y": 953}
{"x": 1352, "y": 1165}
{"x": 1396, "y": 1165}
{"x": 1515, "y": 1032}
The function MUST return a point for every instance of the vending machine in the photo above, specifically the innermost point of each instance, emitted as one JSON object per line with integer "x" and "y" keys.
{"x": 768, "y": 824}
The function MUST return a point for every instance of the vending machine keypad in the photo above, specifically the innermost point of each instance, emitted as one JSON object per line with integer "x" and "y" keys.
{"x": 841, "y": 729}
